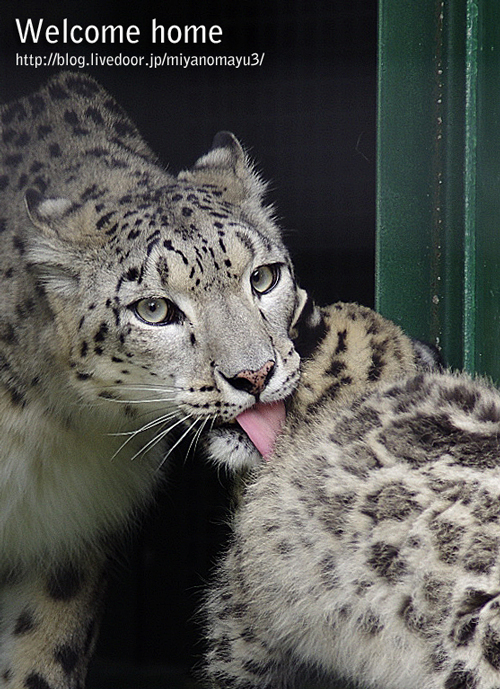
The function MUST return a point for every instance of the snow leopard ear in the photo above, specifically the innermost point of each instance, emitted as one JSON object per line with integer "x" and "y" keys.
{"x": 302, "y": 298}
{"x": 427, "y": 356}
{"x": 308, "y": 327}
{"x": 47, "y": 214}
{"x": 74, "y": 224}
{"x": 49, "y": 250}
{"x": 227, "y": 165}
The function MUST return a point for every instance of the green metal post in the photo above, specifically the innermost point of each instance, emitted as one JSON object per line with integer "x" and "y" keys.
{"x": 487, "y": 199}
{"x": 405, "y": 142}
{"x": 470, "y": 182}
{"x": 438, "y": 242}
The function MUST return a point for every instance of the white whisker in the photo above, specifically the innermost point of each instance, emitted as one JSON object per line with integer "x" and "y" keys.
{"x": 154, "y": 441}
{"x": 156, "y": 422}
{"x": 149, "y": 388}
{"x": 189, "y": 429}
{"x": 146, "y": 427}
{"x": 157, "y": 439}
{"x": 144, "y": 401}
{"x": 194, "y": 442}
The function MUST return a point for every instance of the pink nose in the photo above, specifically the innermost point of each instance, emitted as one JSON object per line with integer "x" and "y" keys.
{"x": 253, "y": 382}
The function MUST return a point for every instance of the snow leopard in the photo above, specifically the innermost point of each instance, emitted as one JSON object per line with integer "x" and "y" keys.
{"x": 366, "y": 548}
{"x": 136, "y": 304}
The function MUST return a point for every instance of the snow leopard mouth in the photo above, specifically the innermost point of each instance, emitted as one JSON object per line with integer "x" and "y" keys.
{"x": 247, "y": 440}
{"x": 263, "y": 424}
{"x": 260, "y": 426}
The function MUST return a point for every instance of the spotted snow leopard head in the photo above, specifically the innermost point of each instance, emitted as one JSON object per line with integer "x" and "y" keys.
{"x": 190, "y": 310}
{"x": 155, "y": 301}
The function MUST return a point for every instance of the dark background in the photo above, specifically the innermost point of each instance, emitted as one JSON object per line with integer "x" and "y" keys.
{"x": 307, "y": 117}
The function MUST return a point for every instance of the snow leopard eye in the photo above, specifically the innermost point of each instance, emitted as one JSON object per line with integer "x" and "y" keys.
{"x": 156, "y": 311}
{"x": 265, "y": 278}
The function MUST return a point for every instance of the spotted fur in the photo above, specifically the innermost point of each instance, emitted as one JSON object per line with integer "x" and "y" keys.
{"x": 368, "y": 547}
{"x": 99, "y": 241}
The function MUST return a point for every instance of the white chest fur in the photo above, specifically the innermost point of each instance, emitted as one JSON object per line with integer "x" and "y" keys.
{"x": 61, "y": 490}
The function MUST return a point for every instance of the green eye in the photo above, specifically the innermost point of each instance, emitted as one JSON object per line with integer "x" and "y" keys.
{"x": 156, "y": 311}
{"x": 265, "y": 278}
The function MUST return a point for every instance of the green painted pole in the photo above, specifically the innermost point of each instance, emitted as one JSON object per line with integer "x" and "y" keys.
{"x": 406, "y": 125}
{"x": 438, "y": 187}
{"x": 487, "y": 199}
{"x": 470, "y": 182}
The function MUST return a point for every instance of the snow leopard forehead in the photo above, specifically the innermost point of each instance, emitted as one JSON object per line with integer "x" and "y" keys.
{"x": 189, "y": 227}
{"x": 86, "y": 176}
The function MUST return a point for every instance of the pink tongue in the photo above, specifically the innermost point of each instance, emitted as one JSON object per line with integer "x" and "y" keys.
{"x": 262, "y": 423}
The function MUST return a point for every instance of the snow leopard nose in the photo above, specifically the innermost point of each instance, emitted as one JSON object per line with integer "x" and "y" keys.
{"x": 253, "y": 382}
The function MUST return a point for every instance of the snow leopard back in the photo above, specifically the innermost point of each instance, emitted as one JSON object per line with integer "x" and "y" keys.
{"x": 367, "y": 548}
